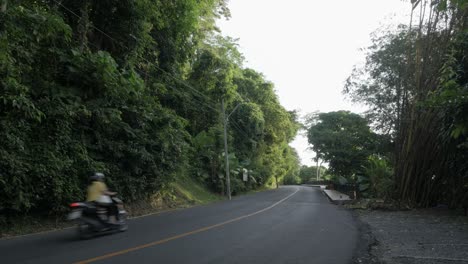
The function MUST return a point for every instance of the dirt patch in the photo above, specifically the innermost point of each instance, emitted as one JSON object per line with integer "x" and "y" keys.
{"x": 430, "y": 236}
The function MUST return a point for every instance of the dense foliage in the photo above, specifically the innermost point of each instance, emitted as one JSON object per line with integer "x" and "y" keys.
{"x": 376, "y": 179}
{"x": 415, "y": 81}
{"x": 344, "y": 140}
{"x": 132, "y": 89}
{"x": 310, "y": 174}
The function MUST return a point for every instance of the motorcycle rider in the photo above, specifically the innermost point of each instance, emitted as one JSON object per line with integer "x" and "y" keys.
{"x": 100, "y": 196}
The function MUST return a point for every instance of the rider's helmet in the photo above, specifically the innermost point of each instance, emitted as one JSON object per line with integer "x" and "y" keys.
{"x": 97, "y": 176}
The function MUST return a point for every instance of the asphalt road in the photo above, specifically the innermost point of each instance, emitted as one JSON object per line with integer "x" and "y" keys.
{"x": 293, "y": 224}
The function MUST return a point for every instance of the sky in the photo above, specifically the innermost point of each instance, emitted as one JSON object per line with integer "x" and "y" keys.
{"x": 308, "y": 48}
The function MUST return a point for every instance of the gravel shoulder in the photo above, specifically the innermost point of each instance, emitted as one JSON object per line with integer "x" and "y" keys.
{"x": 429, "y": 236}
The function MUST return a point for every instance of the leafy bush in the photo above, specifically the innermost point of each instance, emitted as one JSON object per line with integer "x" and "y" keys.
{"x": 291, "y": 180}
{"x": 376, "y": 180}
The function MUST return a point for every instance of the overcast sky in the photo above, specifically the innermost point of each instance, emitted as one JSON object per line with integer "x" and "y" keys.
{"x": 307, "y": 48}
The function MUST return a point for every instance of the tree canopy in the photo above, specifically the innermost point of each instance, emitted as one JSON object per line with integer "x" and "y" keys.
{"x": 343, "y": 139}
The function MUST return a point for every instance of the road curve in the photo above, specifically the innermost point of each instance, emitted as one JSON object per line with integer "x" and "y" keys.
{"x": 293, "y": 224}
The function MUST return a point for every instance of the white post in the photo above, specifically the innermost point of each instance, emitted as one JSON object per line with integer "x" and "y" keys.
{"x": 317, "y": 168}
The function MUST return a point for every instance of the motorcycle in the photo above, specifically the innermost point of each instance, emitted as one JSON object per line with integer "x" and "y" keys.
{"x": 94, "y": 220}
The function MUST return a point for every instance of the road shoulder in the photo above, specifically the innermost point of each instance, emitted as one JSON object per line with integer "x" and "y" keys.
{"x": 432, "y": 236}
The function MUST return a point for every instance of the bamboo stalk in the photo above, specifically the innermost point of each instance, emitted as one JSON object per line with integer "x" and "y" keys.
{"x": 4, "y": 5}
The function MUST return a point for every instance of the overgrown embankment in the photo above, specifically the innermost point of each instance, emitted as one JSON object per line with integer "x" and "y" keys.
{"x": 132, "y": 89}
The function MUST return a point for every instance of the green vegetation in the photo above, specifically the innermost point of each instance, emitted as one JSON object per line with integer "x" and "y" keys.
{"x": 344, "y": 140}
{"x": 193, "y": 191}
{"x": 376, "y": 179}
{"x": 309, "y": 174}
{"x": 415, "y": 82}
{"x": 132, "y": 89}
{"x": 306, "y": 175}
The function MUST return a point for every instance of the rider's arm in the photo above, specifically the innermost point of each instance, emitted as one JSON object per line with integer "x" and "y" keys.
{"x": 103, "y": 189}
{"x": 106, "y": 192}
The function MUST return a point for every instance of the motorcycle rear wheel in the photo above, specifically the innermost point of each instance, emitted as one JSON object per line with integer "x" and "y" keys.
{"x": 84, "y": 231}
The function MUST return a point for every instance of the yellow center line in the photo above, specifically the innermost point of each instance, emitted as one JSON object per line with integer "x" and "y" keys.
{"x": 125, "y": 251}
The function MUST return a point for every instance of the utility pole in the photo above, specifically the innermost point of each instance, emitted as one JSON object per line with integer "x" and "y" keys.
{"x": 225, "y": 122}
{"x": 228, "y": 180}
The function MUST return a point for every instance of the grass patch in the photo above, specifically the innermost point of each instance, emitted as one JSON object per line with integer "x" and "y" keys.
{"x": 260, "y": 189}
{"x": 193, "y": 192}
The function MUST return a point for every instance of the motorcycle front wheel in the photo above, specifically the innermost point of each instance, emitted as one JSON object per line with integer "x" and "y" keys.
{"x": 123, "y": 222}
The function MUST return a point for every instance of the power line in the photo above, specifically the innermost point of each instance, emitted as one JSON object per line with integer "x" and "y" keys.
{"x": 241, "y": 131}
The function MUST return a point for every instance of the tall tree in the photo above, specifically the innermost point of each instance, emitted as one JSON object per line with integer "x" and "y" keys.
{"x": 343, "y": 139}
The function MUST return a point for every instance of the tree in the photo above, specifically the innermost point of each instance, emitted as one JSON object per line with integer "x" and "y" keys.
{"x": 384, "y": 83}
{"x": 292, "y": 167}
{"x": 308, "y": 174}
{"x": 343, "y": 139}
